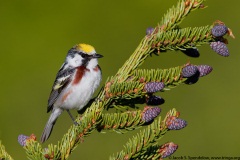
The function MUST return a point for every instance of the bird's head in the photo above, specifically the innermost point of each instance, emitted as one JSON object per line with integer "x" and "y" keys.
{"x": 82, "y": 55}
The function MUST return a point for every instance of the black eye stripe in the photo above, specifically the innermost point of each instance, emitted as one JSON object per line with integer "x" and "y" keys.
{"x": 85, "y": 55}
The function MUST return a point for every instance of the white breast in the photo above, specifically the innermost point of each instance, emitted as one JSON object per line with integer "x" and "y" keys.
{"x": 81, "y": 93}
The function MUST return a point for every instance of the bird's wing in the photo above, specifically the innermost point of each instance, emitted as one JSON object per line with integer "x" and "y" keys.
{"x": 63, "y": 78}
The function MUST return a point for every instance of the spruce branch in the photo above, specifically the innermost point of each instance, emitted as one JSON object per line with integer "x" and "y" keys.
{"x": 32, "y": 147}
{"x": 117, "y": 121}
{"x": 87, "y": 124}
{"x": 132, "y": 85}
{"x": 125, "y": 90}
{"x": 129, "y": 120}
{"x": 181, "y": 39}
{"x": 143, "y": 82}
{"x": 175, "y": 15}
{"x": 158, "y": 151}
{"x": 3, "y": 153}
{"x": 139, "y": 145}
{"x": 76, "y": 133}
{"x": 170, "y": 77}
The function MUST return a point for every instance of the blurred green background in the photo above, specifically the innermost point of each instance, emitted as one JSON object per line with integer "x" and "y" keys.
{"x": 36, "y": 35}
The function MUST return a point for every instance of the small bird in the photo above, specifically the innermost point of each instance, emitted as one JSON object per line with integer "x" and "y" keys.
{"x": 75, "y": 83}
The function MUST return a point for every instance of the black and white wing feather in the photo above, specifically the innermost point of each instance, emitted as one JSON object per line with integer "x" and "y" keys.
{"x": 63, "y": 78}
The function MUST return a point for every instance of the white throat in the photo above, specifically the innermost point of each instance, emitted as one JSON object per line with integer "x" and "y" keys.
{"x": 92, "y": 63}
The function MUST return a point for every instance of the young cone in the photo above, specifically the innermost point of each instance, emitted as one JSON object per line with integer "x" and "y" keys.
{"x": 219, "y": 30}
{"x": 167, "y": 149}
{"x": 149, "y": 113}
{"x": 174, "y": 123}
{"x": 220, "y": 48}
{"x": 189, "y": 71}
{"x": 22, "y": 139}
{"x": 204, "y": 70}
{"x": 152, "y": 87}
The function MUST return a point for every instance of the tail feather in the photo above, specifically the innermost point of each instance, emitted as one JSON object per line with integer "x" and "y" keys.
{"x": 49, "y": 126}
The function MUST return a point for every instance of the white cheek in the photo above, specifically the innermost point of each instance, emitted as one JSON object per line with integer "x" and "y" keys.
{"x": 76, "y": 61}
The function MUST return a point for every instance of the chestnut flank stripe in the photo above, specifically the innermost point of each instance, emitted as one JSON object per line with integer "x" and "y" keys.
{"x": 79, "y": 74}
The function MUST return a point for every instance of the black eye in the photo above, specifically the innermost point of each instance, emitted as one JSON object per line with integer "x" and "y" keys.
{"x": 84, "y": 55}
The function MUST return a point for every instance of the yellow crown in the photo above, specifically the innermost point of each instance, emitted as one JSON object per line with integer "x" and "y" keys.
{"x": 85, "y": 48}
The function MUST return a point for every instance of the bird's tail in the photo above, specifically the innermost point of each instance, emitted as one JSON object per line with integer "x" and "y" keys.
{"x": 49, "y": 126}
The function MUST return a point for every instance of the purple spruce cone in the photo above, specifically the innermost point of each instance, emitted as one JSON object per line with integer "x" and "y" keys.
{"x": 149, "y": 30}
{"x": 168, "y": 149}
{"x": 149, "y": 113}
{"x": 220, "y": 48}
{"x": 174, "y": 123}
{"x": 204, "y": 70}
{"x": 189, "y": 71}
{"x": 219, "y": 30}
{"x": 22, "y": 139}
{"x": 152, "y": 87}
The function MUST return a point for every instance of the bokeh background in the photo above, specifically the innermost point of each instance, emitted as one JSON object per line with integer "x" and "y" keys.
{"x": 35, "y": 36}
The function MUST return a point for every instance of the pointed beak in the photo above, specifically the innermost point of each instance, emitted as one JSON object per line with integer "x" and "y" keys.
{"x": 97, "y": 56}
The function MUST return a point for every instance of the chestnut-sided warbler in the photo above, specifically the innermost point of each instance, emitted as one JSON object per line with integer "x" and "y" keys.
{"x": 75, "y": 83}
